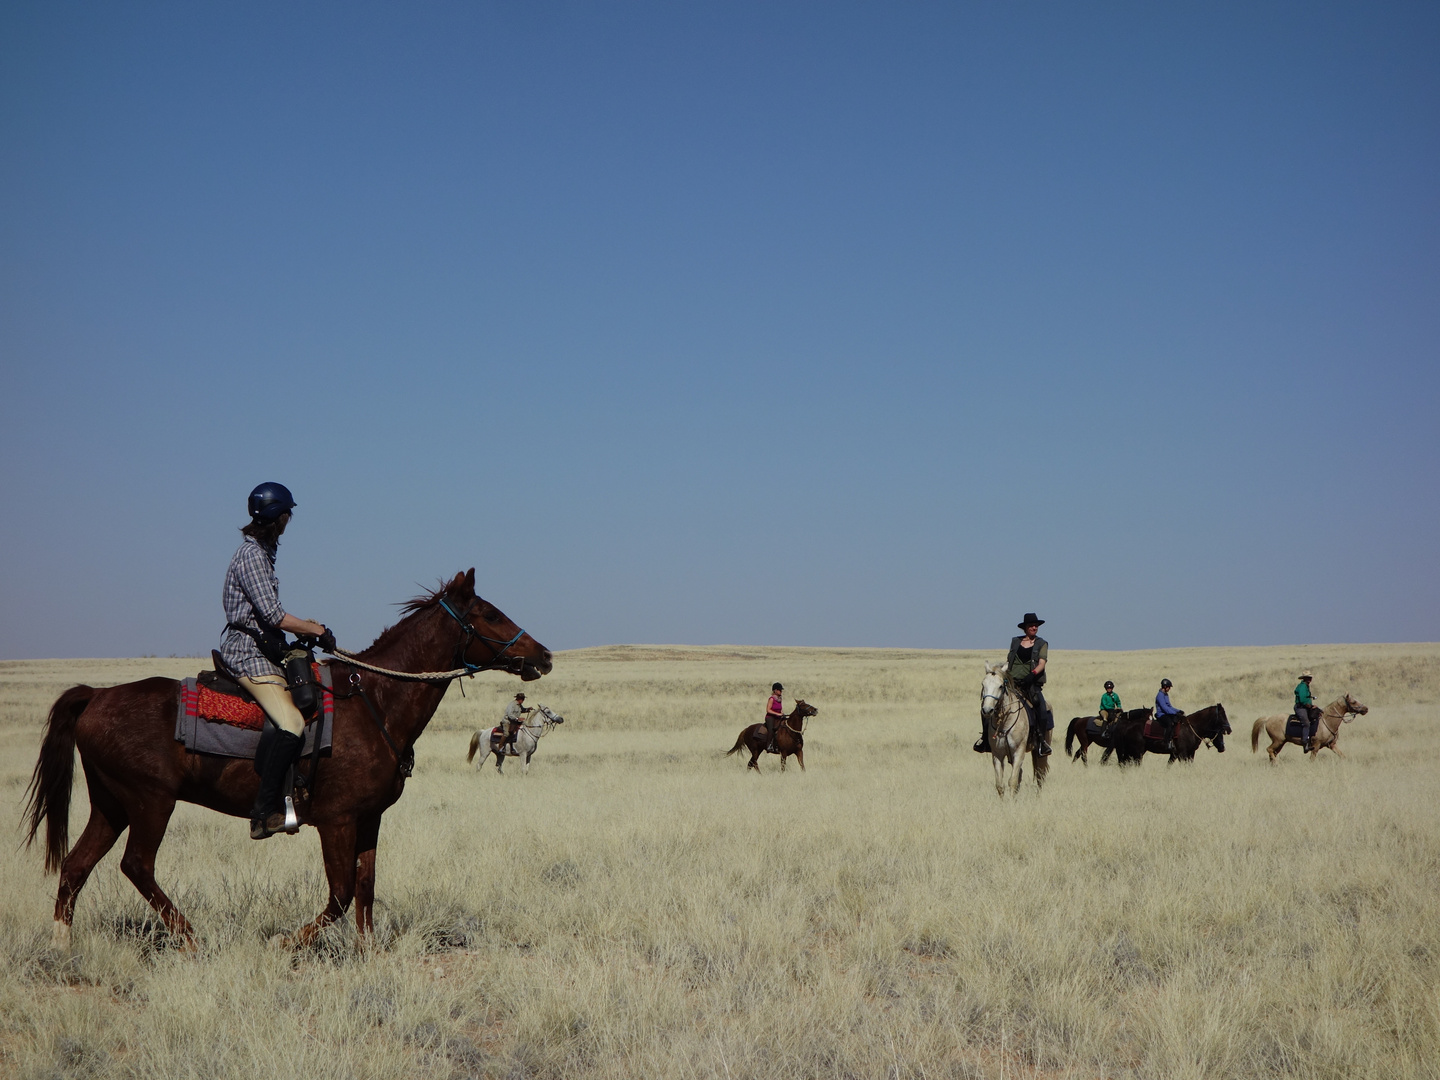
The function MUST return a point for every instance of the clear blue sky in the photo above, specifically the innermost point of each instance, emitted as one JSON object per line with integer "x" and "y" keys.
{"x": 778, "y": 323}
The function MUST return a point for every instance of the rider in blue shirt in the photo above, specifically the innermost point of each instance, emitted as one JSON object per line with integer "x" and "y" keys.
{"x": 1166, "y": 713}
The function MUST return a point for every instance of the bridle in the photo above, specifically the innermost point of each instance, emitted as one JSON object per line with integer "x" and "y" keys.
{"x": 514, "y": 665}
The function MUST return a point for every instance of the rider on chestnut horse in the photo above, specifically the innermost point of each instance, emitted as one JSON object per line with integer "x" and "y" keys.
{"x": 254, "y": 646}
{"x": 774, "y": 713}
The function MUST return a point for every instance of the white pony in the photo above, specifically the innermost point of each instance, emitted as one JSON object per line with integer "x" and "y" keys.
{"x": 527, "y": 739}
{"x": 1007, "y": 722}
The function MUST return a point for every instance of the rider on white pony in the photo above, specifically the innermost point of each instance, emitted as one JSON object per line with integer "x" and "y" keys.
{"x": 1025, "y": 669}
{"x": 515, "y": 713}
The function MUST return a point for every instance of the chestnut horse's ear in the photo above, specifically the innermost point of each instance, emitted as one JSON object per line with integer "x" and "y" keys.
{"x": 470, "y": 578}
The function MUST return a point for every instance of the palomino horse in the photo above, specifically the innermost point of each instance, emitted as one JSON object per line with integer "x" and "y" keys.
{"x": 136, "y": 771}
{"x": 1006, "y": 717}
{"x": 1079, "y": 730}
{"x": 1209, "y": 724}
{"x": 527, "y": 740}
{"x": 1327, "y": 728}
{"x": 789, "y": 737}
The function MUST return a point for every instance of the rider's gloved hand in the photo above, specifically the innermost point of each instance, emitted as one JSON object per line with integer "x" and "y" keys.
{"x": 326, "y": 641}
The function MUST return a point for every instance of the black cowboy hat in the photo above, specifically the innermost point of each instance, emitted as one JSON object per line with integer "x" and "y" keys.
{"x": 1031, "y": 619}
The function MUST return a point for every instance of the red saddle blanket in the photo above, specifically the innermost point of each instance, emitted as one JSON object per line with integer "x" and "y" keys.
{"x": 1156, "y": 730}
{"x": 208, "y": 704}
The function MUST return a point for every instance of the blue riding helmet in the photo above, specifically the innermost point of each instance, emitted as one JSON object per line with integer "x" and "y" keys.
{"x": 269, "y": 501}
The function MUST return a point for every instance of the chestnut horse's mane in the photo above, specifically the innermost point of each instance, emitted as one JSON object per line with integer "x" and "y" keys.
{"x": 408, "y": 610}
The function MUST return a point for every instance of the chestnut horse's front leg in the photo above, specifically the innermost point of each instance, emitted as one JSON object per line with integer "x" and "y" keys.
{"x": 366, "y": 838}
{"x": 337, "y": 845}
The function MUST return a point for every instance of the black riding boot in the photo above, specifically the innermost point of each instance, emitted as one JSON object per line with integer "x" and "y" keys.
{"x": 267, "y": 816}
{"x": 982, "y": 744}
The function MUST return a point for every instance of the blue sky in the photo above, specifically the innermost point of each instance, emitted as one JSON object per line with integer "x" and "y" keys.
{"x": 773, "y": 323}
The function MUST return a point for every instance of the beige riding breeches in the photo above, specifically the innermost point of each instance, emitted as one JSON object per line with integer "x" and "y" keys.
{"x": 274, "y": 697}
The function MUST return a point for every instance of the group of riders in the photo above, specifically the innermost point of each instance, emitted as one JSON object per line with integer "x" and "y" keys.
{"x": 1025, "y": 671}
{"x": 255, "y": 623}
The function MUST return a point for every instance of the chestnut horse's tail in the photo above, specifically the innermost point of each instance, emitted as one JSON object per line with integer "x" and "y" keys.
{"x": 49, "y": 790}
{"x": 740, "y": 742}
{"x": 1255, "y": 735}
{"x": 474, "y": 746}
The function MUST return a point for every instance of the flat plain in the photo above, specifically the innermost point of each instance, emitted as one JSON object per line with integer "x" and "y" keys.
{"x": 641, "y": 905}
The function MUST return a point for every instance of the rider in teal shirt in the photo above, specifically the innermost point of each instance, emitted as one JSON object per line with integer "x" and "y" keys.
{"x": 1305, "y": 708}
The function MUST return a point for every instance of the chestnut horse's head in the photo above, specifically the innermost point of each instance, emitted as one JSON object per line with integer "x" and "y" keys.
{"x": 1353, "y": 708}
{"x": 489, "y": 641}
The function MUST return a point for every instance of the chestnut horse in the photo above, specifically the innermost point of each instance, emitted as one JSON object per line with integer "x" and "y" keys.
{"x": 1327, "y": 728}
{"x": 136, "y": 771}
{"x": 789, "y": 738}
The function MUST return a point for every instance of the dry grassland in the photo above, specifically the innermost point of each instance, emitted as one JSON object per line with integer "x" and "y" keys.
{"x": 640, "y": 905}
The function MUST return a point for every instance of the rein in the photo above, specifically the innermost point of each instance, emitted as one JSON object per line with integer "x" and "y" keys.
{"x": 515, "y": 664}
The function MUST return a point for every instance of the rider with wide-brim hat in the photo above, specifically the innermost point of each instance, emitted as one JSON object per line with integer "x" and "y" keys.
{"x": 1305, "y": 708}
{"x": 255, "y": 623}
{"x": 514, "y": 717}
{"x": 1025, "y": 669}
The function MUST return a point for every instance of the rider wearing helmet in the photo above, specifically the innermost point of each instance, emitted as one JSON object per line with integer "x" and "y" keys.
{"x": 1305, "y": 709}
{"x": 1110, "y": 707}
{"x": 1167, "y": 714}
{"x": 253, "y": 616}
{"x": 774, "y": 713}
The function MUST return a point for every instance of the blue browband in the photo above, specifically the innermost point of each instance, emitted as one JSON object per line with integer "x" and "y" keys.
{"x": 470, "y": 632}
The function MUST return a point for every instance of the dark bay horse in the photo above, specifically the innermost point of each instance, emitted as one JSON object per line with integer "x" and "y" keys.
{"x": 136, "y": 771}
{"x": 1079, "y": 731}
{"x": 789, "y": 737}
{"x": 1191, "y": 730}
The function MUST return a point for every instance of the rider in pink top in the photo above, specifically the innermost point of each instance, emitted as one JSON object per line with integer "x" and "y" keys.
{"x": 774, "y": 713}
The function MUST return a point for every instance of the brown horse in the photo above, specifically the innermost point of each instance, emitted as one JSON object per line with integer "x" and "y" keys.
{"x": 789, "y": 738}
{"x": 136, "y": 771}
{"x": 1079, "y": 730}
{"x": 1191, "y": 730}
{"x": 1327, "y": 728}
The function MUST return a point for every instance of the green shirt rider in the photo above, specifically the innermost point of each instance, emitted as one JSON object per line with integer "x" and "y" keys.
{"x": 1305, "y": 708}
{"x": 1110, "y": 707}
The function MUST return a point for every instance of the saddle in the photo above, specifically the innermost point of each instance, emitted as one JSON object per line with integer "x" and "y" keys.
{"x": 1293, "y": 729}
{"x": 1155, "y": 730}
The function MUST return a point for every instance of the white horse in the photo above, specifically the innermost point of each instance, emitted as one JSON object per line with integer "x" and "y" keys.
{"x": 1007, "y": 722}
{"x": 527, "y": 739}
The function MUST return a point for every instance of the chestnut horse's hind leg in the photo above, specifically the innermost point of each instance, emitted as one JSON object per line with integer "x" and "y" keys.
{"x": 800, "y": 757}
{"x": 147, "y": 829}
{"x": 338, "y": 846}
{"x": 366, "y": 838}
{"x": 107, "y": 821}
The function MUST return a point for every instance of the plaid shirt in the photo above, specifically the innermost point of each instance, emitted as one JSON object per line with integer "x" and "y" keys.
{"x": 252, "y": 598}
